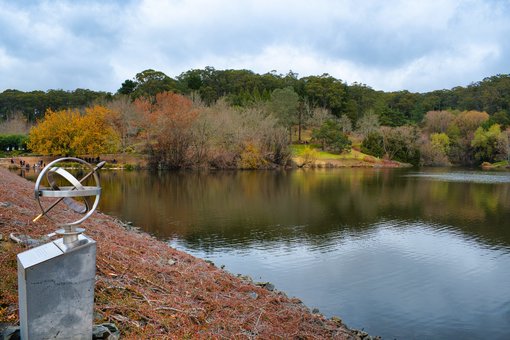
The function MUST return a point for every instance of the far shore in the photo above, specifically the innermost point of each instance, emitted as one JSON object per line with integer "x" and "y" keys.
{"x": 134, "y": 161}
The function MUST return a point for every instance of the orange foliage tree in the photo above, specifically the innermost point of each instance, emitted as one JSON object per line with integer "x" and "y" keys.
{"x": 166, "y": 126}
{"x": 69, "y": 133}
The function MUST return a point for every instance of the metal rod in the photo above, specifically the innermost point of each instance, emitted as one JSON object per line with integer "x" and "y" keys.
{"x": 98, "y": 166}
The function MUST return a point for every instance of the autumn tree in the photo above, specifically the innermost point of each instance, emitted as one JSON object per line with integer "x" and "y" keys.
{"x": 434, "y": 150}
{"x": 227, "y": 137}
{"x": 461, "y": 133}
{"x": 124, "y": 117}
{"x": 438, "y": 121}
{"x": 55, "y": 134}
{"x": 69, "y": 133}
{"x": 95, "y": 135}
{"x": 166, "y": 125}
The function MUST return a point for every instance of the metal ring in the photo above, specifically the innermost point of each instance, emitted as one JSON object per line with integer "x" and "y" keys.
{"x": 66, "y": 192}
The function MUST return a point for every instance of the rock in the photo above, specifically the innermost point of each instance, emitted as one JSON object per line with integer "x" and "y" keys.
{"x": 26, "y": 240}
{"x": 361, "y": 334}
{"x": 267, "y": 285}
{"x": 5, "y": 204}
{"x": 1, "y": 237}
{"x": 253, "y": 295}
{"x": 210, "y": 262}
{"x": 99, "y": 332}
{"x": 246, "y": 278}
{"x": 315, "y": 311}
{"x": 105, "y": 331}
{"x": 336, "y": 320}
{"x": 9, "y": 332}
{"x": 171, "y": 262}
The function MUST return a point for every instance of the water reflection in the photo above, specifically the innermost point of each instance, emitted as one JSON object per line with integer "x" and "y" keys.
{"x": 232, "y": 209}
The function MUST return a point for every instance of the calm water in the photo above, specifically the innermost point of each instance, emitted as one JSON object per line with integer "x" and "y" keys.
{"x": 400, "y": 253}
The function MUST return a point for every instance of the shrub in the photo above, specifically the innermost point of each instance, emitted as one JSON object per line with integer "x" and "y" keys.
{"x": 330, "y": 136}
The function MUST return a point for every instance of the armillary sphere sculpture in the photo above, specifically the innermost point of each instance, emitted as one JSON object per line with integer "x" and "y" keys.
{"x": 66, "y": 194}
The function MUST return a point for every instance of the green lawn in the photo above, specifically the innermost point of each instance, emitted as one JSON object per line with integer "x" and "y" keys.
{"x": 298, "y": 149}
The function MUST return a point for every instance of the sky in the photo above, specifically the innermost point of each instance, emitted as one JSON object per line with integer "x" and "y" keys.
{"x": 390, "y": 45}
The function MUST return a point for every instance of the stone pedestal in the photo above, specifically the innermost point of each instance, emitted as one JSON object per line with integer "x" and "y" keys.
{"x": 56, "y": 290}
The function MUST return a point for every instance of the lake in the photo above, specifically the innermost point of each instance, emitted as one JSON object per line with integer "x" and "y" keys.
{"x": 400, "y": 253}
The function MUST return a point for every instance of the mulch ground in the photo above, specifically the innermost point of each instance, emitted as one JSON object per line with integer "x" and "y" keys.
{"x": 152, "y": 291}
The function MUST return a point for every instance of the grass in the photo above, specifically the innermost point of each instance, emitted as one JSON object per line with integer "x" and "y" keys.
{"x": 299, "y": 149}
{"x": 496, "y": 165}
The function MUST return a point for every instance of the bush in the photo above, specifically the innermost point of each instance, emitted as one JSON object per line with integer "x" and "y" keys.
{"x": 13, "y": 142}
{"x": 309, "y": 156}
{"x": 251, "y": 158}
{"x": 373, "y": 144}
{"x": 330, "y": 136}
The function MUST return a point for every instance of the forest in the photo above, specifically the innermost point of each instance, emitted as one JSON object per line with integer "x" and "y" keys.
{"x": 241, "y": 119}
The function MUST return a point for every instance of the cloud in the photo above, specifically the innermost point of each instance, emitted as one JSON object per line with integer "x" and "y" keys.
{"x": 390, "y": 45}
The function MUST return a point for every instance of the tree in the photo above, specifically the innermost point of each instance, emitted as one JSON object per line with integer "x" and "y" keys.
{"x": 440, "y": 141}
{"x": 392, "y": 117}
{"x": 435, "y": 151}
{"x": 284, "y": 105}
{"x": 438, "y": 121}
{"x": 502, "y": 118}
{"x": 373, "y": 144}
{"x": 397, "y": 143}
{"x": 402, "y": 142}
{"x": 151, "y": 82}
{"x": 16, "y": 124}
{"x": 325, "y": 91}
{"x": 469, "y": 121}
{"x": 490, "y": 145}
{"x": 13, "y": 142}
{"x": 55, "y": 134}
{"x": 127, "y": 87}
{"x": 68, "y": 133}
{"x": 166, "y": 126}
{"x": 330, "y": 136}
{"x": 368, "y": 123}
{"x": 95, "y": 135}
{"x": 124, "y": 117}
{"x": 345, "y": 124}
{"x": 305, "y": 112}
{"x": 319, "y": 116}
{"x": 461, "y": 133}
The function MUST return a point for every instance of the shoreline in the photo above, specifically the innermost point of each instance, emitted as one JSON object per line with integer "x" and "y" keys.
{"x": 139, "y": 163}
{"x": 150, "y": 290}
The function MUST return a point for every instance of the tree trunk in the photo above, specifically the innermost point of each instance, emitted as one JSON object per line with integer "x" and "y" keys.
{"x": 299, "y": 125}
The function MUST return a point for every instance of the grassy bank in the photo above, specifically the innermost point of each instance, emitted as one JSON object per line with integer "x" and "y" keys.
{"x": 312, "y": 156}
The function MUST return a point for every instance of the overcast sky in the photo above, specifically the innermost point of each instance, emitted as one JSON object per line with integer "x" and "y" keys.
{"x": 418, "y": 45}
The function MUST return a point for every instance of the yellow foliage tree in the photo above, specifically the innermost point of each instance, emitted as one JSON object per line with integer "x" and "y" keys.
{"x": 68, "y": 133}
{"x": 95, "y": 136}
